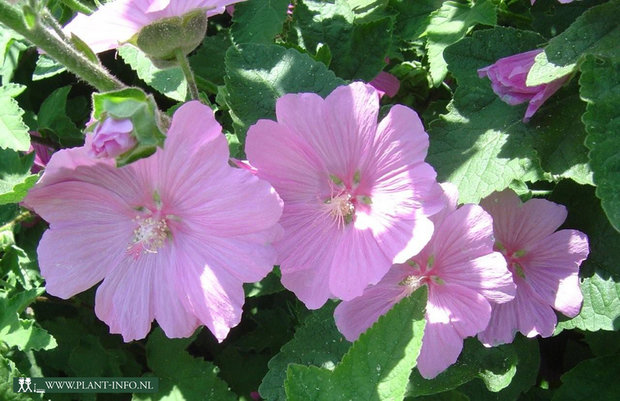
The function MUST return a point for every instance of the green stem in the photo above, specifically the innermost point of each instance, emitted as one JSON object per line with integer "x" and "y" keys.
{"x": 25, "y": 215}
{"x": 62, "y": 52}
{"x": 78, "y": 6}
{"x": 189, "y": 75}
{"x": 52, "y": 23}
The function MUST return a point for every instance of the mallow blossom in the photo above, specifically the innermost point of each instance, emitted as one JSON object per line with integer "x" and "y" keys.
{"x": 544, "y": 265}
{"x": 173, "y": 236}
{"x": 508, "y": 77}
{"x": 111, "y": 137}
{"x": 463, "y": 275}
{"x": 118, "y": 21}
{"x": 357, "y": 193}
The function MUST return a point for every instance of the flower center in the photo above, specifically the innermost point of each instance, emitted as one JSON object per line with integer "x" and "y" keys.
{"x": 345, "y": 199}
{"x": 150, "y": 234}
{"x": 513, "y": 259}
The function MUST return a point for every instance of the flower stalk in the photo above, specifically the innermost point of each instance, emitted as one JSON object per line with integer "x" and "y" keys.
{"x": 62, "y": 52}
{"x": 183, "y": 62}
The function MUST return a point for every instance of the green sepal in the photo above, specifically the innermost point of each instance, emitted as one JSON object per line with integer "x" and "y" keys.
{"x": 161, "y": 39}
{"x": 141, "y": 109}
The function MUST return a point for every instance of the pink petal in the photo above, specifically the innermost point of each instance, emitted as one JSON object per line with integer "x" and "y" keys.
{"x": 296, "y": 172}
{"x": 358, "y": 262}
{"x": 551, "y": 269}
{"x": 111, "y": 25}
{"x": 355, "y": 316}
{"x": 521, "y": 226}
{"x": 124, "y": 299}
{"x": 213, "y": 295}
{"x": 503, "y": 325}
{"x": 311, "y": 285}
{"x": 453, "y": 313}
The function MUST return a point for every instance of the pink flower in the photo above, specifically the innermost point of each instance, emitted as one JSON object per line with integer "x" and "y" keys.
{"x": 356, "y": 193}
{"x": 508, "y": 76}
{"x": 463, "y": 276}
{"x": 173, "y": 236}
{"x": 111, "y": 138}
{"x": 386, "y": 84}
{"x": 116, "y": 22}
{"x": 544, "y": 265}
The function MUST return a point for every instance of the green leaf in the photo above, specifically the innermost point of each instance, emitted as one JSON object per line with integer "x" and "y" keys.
{"x": 269, "y": 285}
{"x": 317, "y": 342}
{"x": 595, "y": 32}
{"x": 53, "y": 117}
{"x": 448, "y": 25}
{"x": 259, "y": 74}
{"x": 181, "y": 376}
{"x": 170, "y": 81}
{"x": 13, "y": 131}
{"x": 15, "y": 177}
{"x": 496, "y": 367}
{"x": 600, "y": 272}
{"x": 11, "y": 47}
{"x": 411, "y": 22}
{"x": 24, "y": 334}
{"x": 359, "y": 48}
{"x": 207, "y": 61}
{"x": 377, "y": 366}
{"x": 591, "y": 379}
{"x": 7, "y": 372}
{"x": 600, "y": 88}
{"x": 482, "y": 145}
{"x": 46, "y": 67}
{"x": 258, "y": 21}
{"x": 543, "y": 71}
{"x": 510, "y": 386}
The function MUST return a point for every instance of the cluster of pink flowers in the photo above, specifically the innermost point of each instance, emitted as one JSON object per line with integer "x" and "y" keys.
{"x": 343, "y": 202}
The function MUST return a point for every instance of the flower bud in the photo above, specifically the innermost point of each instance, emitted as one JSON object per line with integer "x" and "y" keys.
{"x": 111, "y": 138}
{"x": 161, "y": 39}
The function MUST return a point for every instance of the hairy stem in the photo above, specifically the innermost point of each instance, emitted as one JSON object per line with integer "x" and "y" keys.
{"x": 62, "y": 52}
{"x": 189, "y": 74}
{"x": 78, "y": 6}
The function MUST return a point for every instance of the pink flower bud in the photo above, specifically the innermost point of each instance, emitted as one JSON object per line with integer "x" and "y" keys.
{"x": 508, "y": 76}
{"x": 111, "y": 138}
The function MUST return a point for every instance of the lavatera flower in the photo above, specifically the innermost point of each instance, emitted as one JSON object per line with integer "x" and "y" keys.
{"x": 357, "y": 193}
{"x": 544, "y": 264}
{"x": 117, "y": 22}
{"x": 463, "y": 275}
{"x": 173, "y": 236}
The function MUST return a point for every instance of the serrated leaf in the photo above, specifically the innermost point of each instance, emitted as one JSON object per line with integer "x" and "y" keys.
{"x": 595, "y": 32}
{"x": 258, "y": 21}
{"x": 170, "y": 81}
{"x": 600, "y": 272}
{"x": 259, "y": 74}
{"x": 24, "y": 334}
{"x": 377, "y": 366}
{"x": 448, "y": 25}
{"x": 358, "y": 48}
{"x": 600, "y": 88}
{"x": 481, "y": 145}
{"x": 496, "y": 367}
{"x": 7, "y": 372}
{"x": 543, "y": 71}
{"x": 46, "y": 67}
{"x": 15, "y": 177}
{"x": 182, "y": 377}
{"x": 13, "y": 131}
{"x": 317, "y": 342}
{"x": 593, "y": 378}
